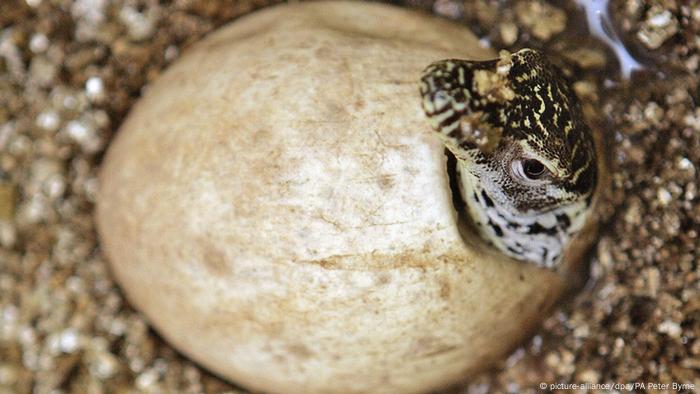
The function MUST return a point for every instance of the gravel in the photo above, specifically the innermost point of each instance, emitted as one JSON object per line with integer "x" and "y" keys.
{"x": 70, "y": 71}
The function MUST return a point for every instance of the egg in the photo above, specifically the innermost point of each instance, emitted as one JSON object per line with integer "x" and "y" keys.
{"x": 279, "y": 209}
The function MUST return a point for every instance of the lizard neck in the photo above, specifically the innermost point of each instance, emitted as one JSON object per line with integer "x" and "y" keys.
{"x": 538, "y": 237}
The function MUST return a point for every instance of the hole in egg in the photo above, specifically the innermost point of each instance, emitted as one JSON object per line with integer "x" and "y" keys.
{"x": 465, "y": 224}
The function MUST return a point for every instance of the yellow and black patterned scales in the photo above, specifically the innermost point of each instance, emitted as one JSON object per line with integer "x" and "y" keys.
{"x": 526, "y": 162}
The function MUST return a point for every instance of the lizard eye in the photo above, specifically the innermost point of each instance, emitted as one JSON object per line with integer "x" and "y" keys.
{"x": 533, "y": 169}
{"x": 529, "y": 169}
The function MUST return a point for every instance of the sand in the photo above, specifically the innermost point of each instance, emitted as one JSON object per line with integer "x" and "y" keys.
{"x": 70, "y": 71}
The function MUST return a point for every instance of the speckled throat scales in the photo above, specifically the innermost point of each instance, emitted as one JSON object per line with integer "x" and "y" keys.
{"x": 526, "y": 159}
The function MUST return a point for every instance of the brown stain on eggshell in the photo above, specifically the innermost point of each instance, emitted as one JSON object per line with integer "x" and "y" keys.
{"x": 213, "y": 259}
{"x": 445, "y": 288}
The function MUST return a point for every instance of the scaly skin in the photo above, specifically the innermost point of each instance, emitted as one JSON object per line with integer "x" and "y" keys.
{"x": 526, "y": 158}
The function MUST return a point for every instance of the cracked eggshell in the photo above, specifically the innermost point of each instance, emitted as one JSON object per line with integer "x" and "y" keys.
{"x": 279, "y": 209}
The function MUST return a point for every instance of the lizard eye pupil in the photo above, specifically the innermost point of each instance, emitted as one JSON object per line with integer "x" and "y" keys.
{"x": 533, "y": 169}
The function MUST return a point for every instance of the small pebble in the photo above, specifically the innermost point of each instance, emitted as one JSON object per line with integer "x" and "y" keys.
{"x": 670, "y": 328}
{"x": 664, "y": 196}
{"x": 94, "y": 89}
{"x": 659, "y": 26}
{"x": 48, "y": 120}
{"x": 39, "y": 43}
{"x": 509, "y": 33}
{"x": 146, "y": 380}
{"x": 542, "y": 19}
{"x": 69, "y": 341}
{"x": 139, "y": 26}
